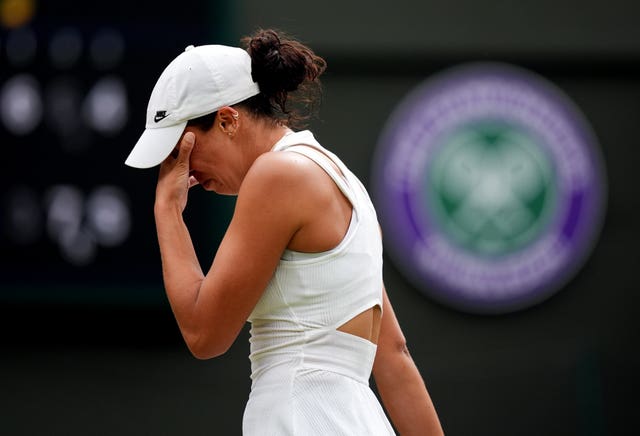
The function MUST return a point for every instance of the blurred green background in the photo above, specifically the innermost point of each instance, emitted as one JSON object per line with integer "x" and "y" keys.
{"x": 88, "y": 342}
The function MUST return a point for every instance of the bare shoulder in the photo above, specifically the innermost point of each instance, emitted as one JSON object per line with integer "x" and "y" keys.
{"x": 290, "y": 173}
{"x": 293, "y": 192}
{"x": 286, "y": 189}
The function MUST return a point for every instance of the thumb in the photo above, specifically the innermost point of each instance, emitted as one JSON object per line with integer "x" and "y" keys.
{"x": 186, "y": 145}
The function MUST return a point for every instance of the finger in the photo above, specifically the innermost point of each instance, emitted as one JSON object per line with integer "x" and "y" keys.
{"x": 192, "y": 182}
{"x": 186, "y": 145}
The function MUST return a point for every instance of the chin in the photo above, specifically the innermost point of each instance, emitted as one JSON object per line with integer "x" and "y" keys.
{"x": 218, "y": 188}
{"x": 222, "y": 190}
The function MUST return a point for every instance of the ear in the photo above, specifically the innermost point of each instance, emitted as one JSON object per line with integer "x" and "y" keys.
{"x": 228, "y": 120}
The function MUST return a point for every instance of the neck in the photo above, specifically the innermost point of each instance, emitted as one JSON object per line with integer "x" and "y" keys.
{"x": 263, "y": 137}
{"x": 259, "y": 138}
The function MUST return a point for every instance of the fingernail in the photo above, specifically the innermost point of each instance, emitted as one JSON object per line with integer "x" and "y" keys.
{"x": 189, "y": 137}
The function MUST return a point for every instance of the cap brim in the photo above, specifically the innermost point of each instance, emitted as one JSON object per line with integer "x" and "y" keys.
{"x": 154, "y": 146}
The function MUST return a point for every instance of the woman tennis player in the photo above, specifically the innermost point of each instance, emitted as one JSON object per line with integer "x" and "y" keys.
{"x": 302, "y": 257}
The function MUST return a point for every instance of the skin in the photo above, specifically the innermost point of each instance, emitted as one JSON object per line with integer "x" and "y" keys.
{"x": 284, "y": 200}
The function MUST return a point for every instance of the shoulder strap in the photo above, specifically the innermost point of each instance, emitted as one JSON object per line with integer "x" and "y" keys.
{"x": 323, "y": 159}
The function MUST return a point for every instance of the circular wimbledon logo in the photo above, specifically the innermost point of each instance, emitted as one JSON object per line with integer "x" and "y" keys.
{"x": 490, "y": 188}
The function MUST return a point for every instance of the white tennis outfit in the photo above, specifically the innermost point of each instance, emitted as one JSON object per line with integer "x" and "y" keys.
{"x": 307, "y": 377}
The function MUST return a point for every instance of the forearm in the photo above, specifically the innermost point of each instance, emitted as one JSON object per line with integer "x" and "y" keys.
{"x": 181, "y": 269}
{"x": 405, "y": 395}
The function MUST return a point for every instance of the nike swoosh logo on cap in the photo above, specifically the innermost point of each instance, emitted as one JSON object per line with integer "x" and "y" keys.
{"x": 160, "y": 115}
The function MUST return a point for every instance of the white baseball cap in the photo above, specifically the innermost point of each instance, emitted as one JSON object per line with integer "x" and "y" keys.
{"x": 199, "y": 81}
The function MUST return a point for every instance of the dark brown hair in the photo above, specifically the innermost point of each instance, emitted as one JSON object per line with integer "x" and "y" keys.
{"x": 287, "y": 73}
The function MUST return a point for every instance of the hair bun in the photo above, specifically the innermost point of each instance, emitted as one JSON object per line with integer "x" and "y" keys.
{"x": 281, "y": 65}
{"x": 277, "y": 65}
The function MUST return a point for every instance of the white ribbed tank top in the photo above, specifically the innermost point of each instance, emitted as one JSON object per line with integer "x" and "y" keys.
{"x": 307, "y": 377}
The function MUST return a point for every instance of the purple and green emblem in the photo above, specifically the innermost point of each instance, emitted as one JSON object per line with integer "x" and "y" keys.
{"x": 490, "y": 188}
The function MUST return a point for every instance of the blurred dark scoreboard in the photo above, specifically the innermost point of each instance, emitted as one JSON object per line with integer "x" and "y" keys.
{"x": 75, "y": 78}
